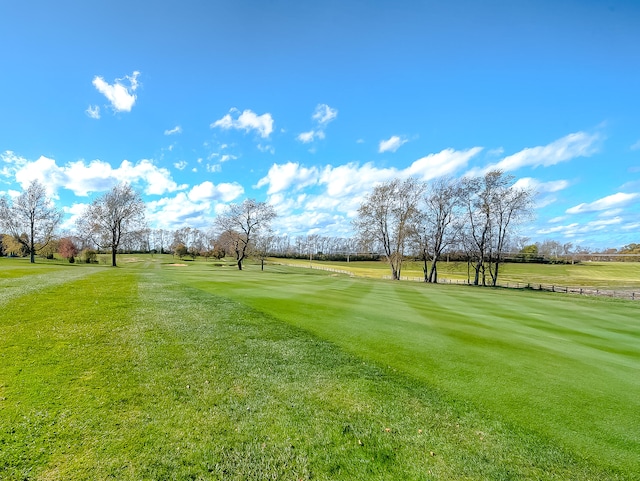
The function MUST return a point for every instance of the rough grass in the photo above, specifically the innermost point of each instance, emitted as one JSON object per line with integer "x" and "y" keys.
{"x": 155, "y": 372}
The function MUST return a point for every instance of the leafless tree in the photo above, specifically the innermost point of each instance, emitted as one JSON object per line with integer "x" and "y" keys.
{"x": 493, "y": 207}
{"x": 263, "y": 245}
{"x": 245, "y": 221}
{"x": 441, "y": 220}
{"x": 388, "y": 217}
{"x": 30, "y": 218}
{"x": 112, "y": 217}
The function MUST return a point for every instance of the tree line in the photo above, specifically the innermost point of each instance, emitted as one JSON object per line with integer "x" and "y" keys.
{"x": 474, "y": 219}
{"x": 477, "y": 216}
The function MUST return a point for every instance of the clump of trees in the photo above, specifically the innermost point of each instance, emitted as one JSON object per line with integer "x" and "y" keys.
{"x": 29, "y": 221}
{"x": 477, "y": 214}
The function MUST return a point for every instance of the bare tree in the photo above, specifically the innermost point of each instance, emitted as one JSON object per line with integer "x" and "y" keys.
{"x": 440, "y": 223}
{"x": 388, "y": 217}
{"x": 493, "y": 208}
{"x": 111, "y": 218}
{"x": 263, "y": 245}
{"x": 30, "y": 218}
{"x": 245, "y": 222}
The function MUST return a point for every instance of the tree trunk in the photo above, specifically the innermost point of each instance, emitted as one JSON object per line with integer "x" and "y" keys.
{"x": 239, "y": 264}
{"x": 32, "y": 247}
{"x": 425, "y": 269}
{"x": 261, "y": 264}
{"x": 113, "y": 257}
{"x": 433, "y": 275}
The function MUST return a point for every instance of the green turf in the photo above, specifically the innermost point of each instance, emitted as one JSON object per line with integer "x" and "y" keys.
{"x": 153, "y": 371}
{"x": 604, "y": 275}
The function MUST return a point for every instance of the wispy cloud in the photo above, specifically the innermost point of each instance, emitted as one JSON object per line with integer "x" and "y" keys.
{"x": 636, "y": 146}
{"x": 247, "y": 121}
{"x": 93, "y": 111}
{"x": 121, "y": 96}
{"x": 530, "y": 183}
{"x": 392, "y": 144}
{"x": 322, "y": 116}
{"x": 614, "y": 201}
{"x": 176, "y": 130}
{"x": 579, "y": 144}
{"x": 181, "y": 165}
{"x": 306, "y": 137}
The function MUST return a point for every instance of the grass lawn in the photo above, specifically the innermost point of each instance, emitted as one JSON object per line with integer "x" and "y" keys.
{"x": 603, "y": 275}
{"x": 153, "y": 371}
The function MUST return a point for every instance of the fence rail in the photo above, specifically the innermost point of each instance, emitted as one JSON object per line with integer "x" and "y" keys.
{"x": 584, "y": 291}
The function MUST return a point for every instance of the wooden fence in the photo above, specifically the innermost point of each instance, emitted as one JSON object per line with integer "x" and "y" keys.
{"x": 583, "y": 291}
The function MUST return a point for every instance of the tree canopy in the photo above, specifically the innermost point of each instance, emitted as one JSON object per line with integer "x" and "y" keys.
{"x": 112, "y": 217}
{"x": 30, "y": 219}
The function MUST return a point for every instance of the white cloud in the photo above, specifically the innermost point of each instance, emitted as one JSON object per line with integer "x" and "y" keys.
{"x": 181, "y": 165}
{"x": 247, "y": 121}
{"x": 179, "y": 211}
{"x": 93, "y": 111}
{"x": 541, "y": 187}
{"x": 445, "y": 162}
{"x": 306, "y": 137}
{"x": 324, "y": 114}
{"x": 636, "y": 146}
{"x": 195, "y": 208}
{"x": 339, "y": 190}
{"x": 12, "y": 163}
{"x": 226, "y": 157}
{"x": 282, "y": 176}
{"x": 121, "y": 96}
{"x": 606, "y": 203}
{"x": 392, "y": 144}
{"x": 575, "y": 229}
{"x": 579, "y": 144}
{"x": 207, "y": 191}
{"x": 266, "y": 148}
{"x": 96, "y": 176}
{"x": 176, "y": 130}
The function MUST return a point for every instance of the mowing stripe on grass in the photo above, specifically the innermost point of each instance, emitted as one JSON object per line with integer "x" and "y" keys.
{"x": 565, "y": 367}
{"x": 150, "y": 374}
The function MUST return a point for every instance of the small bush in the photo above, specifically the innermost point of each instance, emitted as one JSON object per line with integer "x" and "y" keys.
{"x": 89, "y": 256}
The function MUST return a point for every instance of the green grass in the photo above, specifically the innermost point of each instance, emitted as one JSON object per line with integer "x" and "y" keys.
{"x": 150, "y": 371}
{"x": 604, "y": 275}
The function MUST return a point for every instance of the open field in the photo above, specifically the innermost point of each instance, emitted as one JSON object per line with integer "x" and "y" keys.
{"x": 604, "y": 275}
{"x": 197, "y": 371}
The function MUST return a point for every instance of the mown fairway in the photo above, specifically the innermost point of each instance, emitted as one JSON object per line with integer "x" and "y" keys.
{"x": 603, "y": 275}
{"x": 153, "y": 371}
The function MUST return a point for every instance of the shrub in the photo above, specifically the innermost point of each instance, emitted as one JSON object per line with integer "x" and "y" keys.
{"x": 89, "y": 256}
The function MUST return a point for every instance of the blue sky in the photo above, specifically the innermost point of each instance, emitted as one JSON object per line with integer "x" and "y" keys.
{"x": 308, "y": 104}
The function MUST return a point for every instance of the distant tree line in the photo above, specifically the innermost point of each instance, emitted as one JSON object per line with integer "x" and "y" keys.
{"x": 473, "y": 220}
